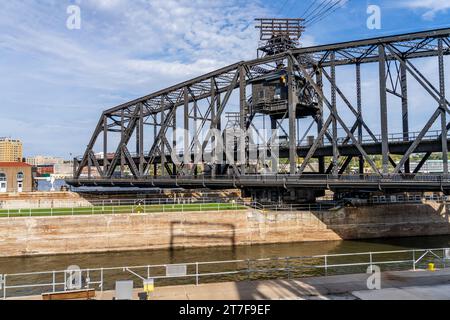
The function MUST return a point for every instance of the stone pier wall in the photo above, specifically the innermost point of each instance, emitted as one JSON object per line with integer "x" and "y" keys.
{"x": 35, "y": 200}
{"x": 108, "y": 233}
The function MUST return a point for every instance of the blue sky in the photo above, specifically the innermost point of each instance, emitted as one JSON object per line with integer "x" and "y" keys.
{"x": 55, "y": 81}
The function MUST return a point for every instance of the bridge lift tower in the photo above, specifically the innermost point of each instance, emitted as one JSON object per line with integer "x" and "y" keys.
{"x": 283, "y": 94}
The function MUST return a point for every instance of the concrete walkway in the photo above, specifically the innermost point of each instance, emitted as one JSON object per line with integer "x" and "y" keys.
{"x": 395, "y": 285}
{"x": 408, "y": 293}
{"x": 431, "y": 285}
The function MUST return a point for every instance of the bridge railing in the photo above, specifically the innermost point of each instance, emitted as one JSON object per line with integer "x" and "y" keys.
{"x": 366, "y": 139}
{"x": 392, "y": 137}
{"x": 37, "y": 283}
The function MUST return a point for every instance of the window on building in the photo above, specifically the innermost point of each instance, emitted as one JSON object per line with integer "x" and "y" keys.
{"x": 20, "y": 176}
{"x": 261, "y": 94}
{"x": 277, "y": 92}
{"x": 3, "y": 183}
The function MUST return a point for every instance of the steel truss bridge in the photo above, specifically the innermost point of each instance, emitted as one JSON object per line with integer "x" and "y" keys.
{"x": 139, "y": 141}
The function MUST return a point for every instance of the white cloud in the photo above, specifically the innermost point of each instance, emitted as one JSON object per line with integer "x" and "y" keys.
{"x": 125, "y": 49}
{"x": 432, "y": 7}
{"x": 170, "y": 40}
{"x": 104, "y": 4}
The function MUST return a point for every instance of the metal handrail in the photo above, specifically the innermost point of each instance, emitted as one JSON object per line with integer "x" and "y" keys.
{"x": 366, "y": 139}
{"x": 392, "y": 137}
{"x": 149, "y": 206}
{"x": 93, "y": 206}
{"x": 289, "y": 268}
{"x": 148, "y": 201}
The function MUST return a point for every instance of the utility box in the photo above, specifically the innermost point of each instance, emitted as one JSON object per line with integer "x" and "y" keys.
{"x": 176, "y": 270}
{"x": 124, "y": 290}
{"x": 149, "y": 287}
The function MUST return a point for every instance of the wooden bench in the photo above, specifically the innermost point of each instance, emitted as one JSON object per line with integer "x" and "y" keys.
{"x": 70, "y": 295}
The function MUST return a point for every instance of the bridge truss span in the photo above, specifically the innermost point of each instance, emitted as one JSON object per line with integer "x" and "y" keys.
{"x": 180, "y": 135}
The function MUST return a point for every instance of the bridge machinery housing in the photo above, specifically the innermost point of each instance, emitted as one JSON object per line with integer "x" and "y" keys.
{"x": 345, "y": 148}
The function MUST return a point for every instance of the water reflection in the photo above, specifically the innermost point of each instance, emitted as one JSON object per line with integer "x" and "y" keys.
{"x": 248, "y": 270}
{"x": 137, "y": 258}
{"x": 45, "y": 186}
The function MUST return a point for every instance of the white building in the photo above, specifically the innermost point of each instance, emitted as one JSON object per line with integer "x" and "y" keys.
{"x": 44, "y": 161}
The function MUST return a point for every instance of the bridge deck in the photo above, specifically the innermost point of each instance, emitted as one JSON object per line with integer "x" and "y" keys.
{"x": 319, "y": 182}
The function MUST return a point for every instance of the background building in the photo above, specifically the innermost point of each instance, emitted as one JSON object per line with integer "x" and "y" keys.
{"x": 15, "y": 177}
{"x": 10, "y": 150}
{"x": 431, "y": 166}
{"x": 44, "y": 161}
{"x": 63, "y": 170}
{"x": 44, "y": 170}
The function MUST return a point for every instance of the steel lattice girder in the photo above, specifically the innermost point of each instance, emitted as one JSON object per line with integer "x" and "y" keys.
{"x": 125, "y": 118}
{"x": 364, "y": 51}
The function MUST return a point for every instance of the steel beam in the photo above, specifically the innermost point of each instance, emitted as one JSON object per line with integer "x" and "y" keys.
{"x": 422, "y": 162}
{"x": 383, "y": 109}
{"x": 443, "y": 106}
{"x": 164, "y": 127}
{"x": 186, "y": 153}
{"x": 122, "y": 134}
{"x": 292, "y": 118}
{"x": 335, "y": 169}
{"x": 105, "y": 143}
{"x": 140, "y": 138}
{"x": 242, "y": 117}
{"x": 319, "y": 120}
{"x": 174, "y": 143}
{"x": 359, "y": 110}
{"x": 405, "y": 112}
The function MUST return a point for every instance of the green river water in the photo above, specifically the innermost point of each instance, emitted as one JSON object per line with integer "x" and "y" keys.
{"x": 144, "y": 258}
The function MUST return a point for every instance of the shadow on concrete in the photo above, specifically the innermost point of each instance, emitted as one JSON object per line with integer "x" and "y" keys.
{"x": 188, "y": 231}
{"x": 387, "y": 221}
{"x": 342, "y": 286}
{"x": 280, "y": 289}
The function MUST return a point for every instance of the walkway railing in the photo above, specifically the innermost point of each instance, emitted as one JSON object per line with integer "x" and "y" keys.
{"x": 37, "y": 283}
{"x": 432, "y": 135}
{"x": 134, "y": 206}
{"x": 181, "y": 205}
